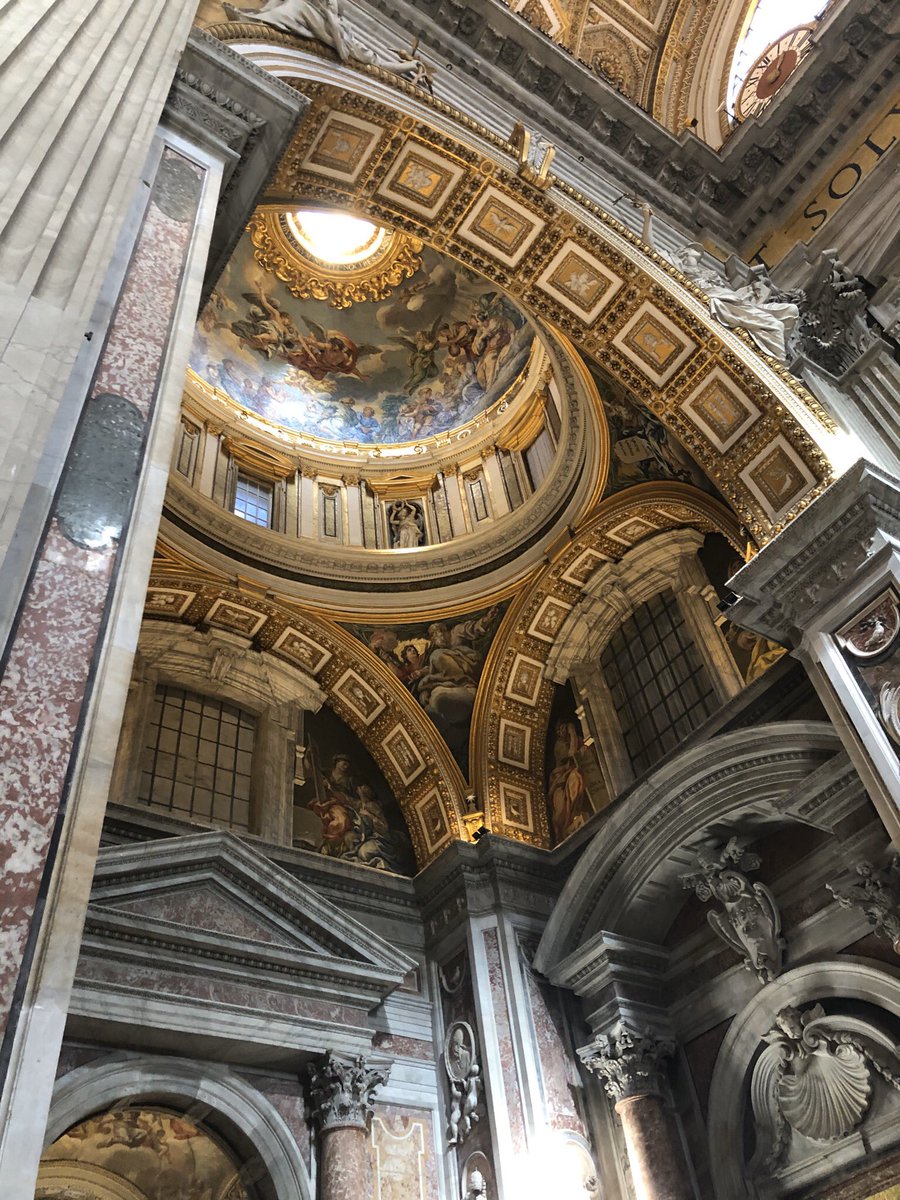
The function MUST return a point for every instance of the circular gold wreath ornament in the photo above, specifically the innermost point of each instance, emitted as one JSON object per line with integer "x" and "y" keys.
{"x": 287, "y": 245}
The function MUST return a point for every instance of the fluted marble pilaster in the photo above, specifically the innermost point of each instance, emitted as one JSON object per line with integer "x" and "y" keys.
{"x": 82, "y": 86}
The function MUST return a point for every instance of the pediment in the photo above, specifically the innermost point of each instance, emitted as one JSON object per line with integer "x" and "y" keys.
{"x": 202, "y": 901}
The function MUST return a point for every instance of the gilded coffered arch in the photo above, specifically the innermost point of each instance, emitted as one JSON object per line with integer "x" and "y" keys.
{"x": 513, "y": 704}
{"x": 415, "y": 760}
{"x": 385, "y": 151}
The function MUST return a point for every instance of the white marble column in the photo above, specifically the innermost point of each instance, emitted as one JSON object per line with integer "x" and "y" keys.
{"x": 829, "y": 586}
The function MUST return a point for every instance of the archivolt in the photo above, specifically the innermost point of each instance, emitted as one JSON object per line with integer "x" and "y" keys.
{"x": 427, "y": 782}
{"x": 710, "y": 784}
{"x": 513, "y": 703}
{"x": 230, "y": 1107}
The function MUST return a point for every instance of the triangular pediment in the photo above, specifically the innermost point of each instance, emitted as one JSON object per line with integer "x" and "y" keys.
{"x": 210, "y": 898}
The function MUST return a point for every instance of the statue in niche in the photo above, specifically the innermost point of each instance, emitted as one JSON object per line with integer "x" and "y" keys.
{"x": 757, "y": 307}
{"x": 751, "y": 922}
{"x": 405, "y": 520}
{"x": 464, "y": 1076}
{"x": 324, "y": 21}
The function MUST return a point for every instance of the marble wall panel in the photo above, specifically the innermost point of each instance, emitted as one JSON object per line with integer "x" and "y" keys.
{"x": 559, "y": 1074}
{"x": 49, "y": 672}
{"x": 403, "y": 1155}
{"x": 505, "y": 1050}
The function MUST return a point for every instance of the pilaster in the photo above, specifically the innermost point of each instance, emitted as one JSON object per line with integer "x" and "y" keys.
{"x": 830, "y": 586}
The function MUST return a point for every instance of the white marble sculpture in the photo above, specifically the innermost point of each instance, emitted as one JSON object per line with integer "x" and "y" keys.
{"x": 464, "y": 1080}
{"x": 406, "y": 526}
{"x": 752, "y": 307}
{"x": 750, "y": 922}
{"x": 324, "y": 21}
{"x": 814, "y": 1078}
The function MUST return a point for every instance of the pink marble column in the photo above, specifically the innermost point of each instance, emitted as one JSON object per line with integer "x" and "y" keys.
{"x": 631, "y": 1064}
{"x": 342, "y": 1097}
{"x": 49, "y": 671}
{"x": 653, "y": 1154}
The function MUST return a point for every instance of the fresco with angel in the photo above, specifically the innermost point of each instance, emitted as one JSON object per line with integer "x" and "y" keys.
{"x": 442, "y": 348}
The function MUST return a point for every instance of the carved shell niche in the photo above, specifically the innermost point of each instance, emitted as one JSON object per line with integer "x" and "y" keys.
{"x": 828, "y": 1094}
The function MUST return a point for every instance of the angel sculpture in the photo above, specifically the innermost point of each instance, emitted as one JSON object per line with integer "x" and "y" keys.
{"x": 324, "y": 21}
{"x": 406, "y": 525}
{"x": 758, "y": 307}
{"x": 422, "y": 347}
{"x": 751, "y": 922}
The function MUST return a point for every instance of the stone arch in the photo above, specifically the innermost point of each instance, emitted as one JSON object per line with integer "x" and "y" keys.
{"x": 347, "y": 675}
{"x": 231, "y": 1108}
{"x": 513, "y": 704}
{"x": 753, "y": 428}
{"x": 616, "y": 884}
{"x": 849, "y": 978}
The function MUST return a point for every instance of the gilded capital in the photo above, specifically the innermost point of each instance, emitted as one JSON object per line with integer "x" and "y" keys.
{"x": 342, "y": 1093}
{"x": 630, "y": 1061}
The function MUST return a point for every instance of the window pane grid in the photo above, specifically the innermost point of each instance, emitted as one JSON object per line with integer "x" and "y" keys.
{"x": 253, "y": 501}
{"x": 659, "y": 685}
{"x": 197, "y": 757}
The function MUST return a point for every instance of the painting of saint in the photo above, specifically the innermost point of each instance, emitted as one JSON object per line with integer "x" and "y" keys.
{"x": 344, "y": 807}
{"x": 752, "y": 653}
{"x": 434, "y": 354}
{"x": 441, "y": 664}
{"x": 641, "y": 448}
{"x": 568, "y": 801}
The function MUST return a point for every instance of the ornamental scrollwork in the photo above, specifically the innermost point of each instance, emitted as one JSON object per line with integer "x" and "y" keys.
{"x": 750, "y": 922}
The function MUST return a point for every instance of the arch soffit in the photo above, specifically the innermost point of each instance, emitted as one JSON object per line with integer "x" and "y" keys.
{"x": 512, "y": 708}
{"x": 705, "y": 785}
{"x": 850, "y": 978}
{"x": 344, "y": 672}
{"x": 241, "y": 1111}
{"x": 377, "y": 146}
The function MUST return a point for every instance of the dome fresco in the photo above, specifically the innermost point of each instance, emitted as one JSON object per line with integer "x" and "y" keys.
{"x": 442, "y": 348}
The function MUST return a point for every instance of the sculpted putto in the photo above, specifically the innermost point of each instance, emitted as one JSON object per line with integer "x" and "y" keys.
{"x": 324, "y": 21}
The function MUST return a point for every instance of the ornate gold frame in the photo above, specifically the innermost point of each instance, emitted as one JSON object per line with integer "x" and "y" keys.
{"x": 397, "y": 258}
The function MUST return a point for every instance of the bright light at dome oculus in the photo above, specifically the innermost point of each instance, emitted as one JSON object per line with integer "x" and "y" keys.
{"x": 336, "y": 237}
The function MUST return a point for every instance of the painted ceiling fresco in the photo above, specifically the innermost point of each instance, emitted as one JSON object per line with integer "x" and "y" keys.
{"x": 440, "y": 663}
{"x": 345, "y": 807}
{"x": 443, "y": 347}
{"x": 161, "y": 1155}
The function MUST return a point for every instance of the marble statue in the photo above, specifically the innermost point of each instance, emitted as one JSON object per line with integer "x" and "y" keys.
{"x": 324, "y": 21}
{"x": 464, "y": 1079}
{"x": 406, "y": 525}
{"x": 477, "y": 1187}
{"x": 875, "y": 891}
{"x": 750, "y": 921}
{"x": 753, "y": 306}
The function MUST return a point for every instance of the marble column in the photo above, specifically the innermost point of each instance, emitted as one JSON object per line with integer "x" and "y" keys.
{"x": 631, "y": 1063}
{"x": 829, "y": 586}
{"x": 342, "y": 1100}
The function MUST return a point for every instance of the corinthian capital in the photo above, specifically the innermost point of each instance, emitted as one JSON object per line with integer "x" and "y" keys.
{"x": 342, "y": 1093}
{"x": 630, "y": 1061}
